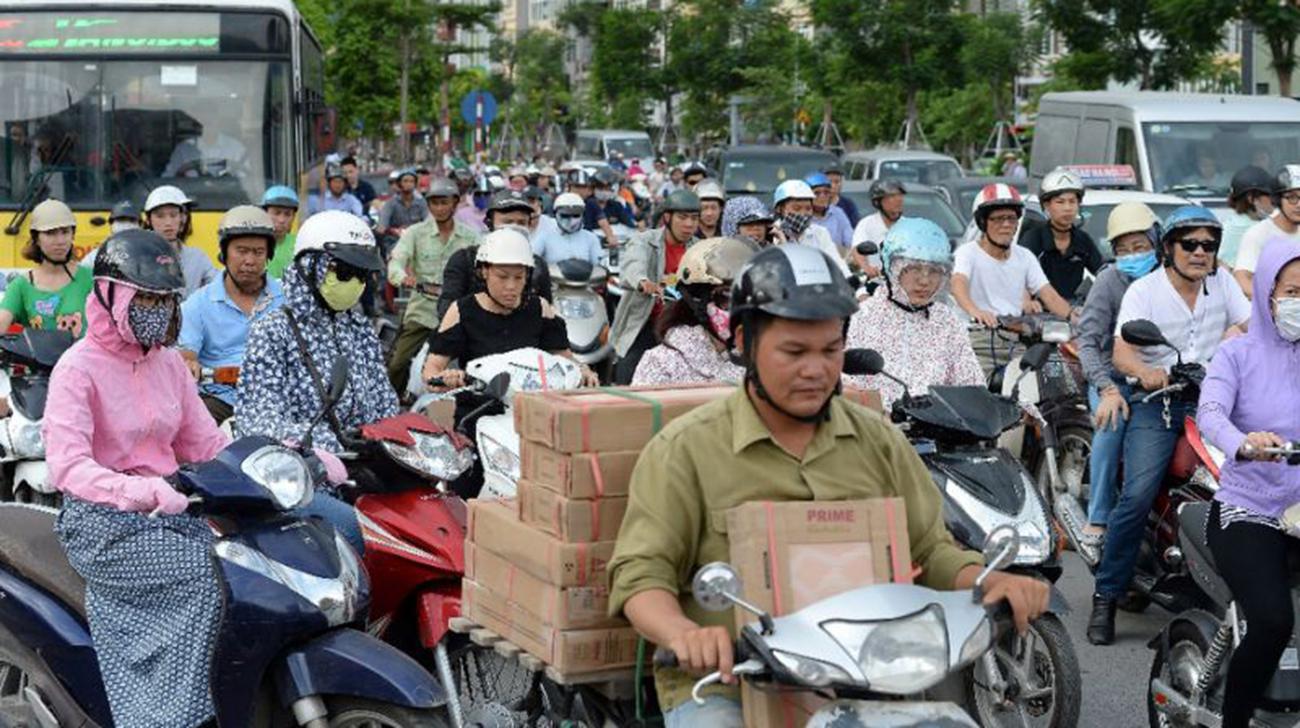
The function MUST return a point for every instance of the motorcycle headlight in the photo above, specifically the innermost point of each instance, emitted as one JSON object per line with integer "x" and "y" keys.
{"x": 283, "y": 472}
{"x": 575, "y": 307}
{"x": 899, "y": 656}
{"x": 25, "y": 438}
{"x": 811, "y": 672}
{"x": 435, "y": 456}
{"x": 498, "y": 457}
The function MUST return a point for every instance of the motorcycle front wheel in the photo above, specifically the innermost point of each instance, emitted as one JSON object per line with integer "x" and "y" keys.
{"x": 1042, "y": 673}
{"x": 358, "y": 713}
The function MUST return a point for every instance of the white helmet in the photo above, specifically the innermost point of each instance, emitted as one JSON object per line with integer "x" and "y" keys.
{"x": 568, "y": 199}
{"x": 342, "y": 236}
{"x": 1057, "y": 181}
{"x": 52, "y": 214}
{"x": 710, "y": 190}
{"x": 792, "y": 189}
{"x": 166, "y": 195}
{"x": 506, "y": 246}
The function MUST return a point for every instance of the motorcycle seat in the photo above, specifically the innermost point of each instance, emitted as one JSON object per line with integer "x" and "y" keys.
{"x": 1191, "y": 521}
{"x": 29, "y": 546}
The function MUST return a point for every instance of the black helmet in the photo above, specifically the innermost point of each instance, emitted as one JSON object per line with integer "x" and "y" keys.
{"x": 580, "y": 177}
{"x": 1250, "y": 179}
{"x": 691, "y": 168}
{"x": 681, "y": 201}
{"x": 882, "y": 188}
{"x": 793, "y": 282}
{"x": 141, "y": 259}
{"x": 606, "y": 177}
{"x": 124, "y": 210}
{"x": 1287, "y": 179}
{"x": 506, "y": 200}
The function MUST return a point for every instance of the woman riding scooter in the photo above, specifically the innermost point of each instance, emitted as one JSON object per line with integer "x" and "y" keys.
{"x": 694, "y": 332}
{"x": 923, "y": 340}
{"x": 1248, "y": 402}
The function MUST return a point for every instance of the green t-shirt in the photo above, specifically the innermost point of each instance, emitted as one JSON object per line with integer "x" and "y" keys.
{"x": 283, "y": 257}
{"x": 37, "y": 309}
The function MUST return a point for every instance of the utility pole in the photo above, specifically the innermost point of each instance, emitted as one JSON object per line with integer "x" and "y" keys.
{"x": 404, "y": 136}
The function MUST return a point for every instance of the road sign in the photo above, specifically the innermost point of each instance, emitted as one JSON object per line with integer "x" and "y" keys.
{"x": 469, "y": 107}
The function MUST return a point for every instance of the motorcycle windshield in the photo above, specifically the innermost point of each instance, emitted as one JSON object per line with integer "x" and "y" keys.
{"x": 971, "y": 409}
{"x": 37, "y": 346}
{"x": 29, "y": 395}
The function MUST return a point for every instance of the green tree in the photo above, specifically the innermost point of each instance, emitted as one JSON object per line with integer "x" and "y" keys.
{"x": 1279, "y": 23}
{"x": 537, "y": 90}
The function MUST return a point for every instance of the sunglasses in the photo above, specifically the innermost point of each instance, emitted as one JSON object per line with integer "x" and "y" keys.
{"x": 1189, "y": 245}
{"x": 345, "y": 272}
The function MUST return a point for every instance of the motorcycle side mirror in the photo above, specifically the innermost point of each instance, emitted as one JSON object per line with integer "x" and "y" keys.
{"x": 1001, "y": 547}
{"x": 863, "y": 362}
{"x": 1035, "y": 356}
{"x": 715, "y": 586}
{"x": 1141, "y": 332}
{"x": 498, "y": 386}
{"x": 867, "y": 247}
{"x": 1056, "y": 332}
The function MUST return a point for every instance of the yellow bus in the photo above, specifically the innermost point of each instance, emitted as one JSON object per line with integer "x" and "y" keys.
{"x": 102, "y": 101}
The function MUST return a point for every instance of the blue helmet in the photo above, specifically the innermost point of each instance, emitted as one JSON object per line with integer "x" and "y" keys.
{"x": 792, "y": 189}
{"x": 1187, "y": 217}
{"x": 916, "y": 238}
{"x": 280, "y": 196}
{"x": 817, "y": 179}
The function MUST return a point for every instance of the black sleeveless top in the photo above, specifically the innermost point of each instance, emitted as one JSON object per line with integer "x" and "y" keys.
{"x": 481, "y": 332}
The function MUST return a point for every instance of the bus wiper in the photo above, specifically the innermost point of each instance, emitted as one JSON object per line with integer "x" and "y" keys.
{"x": 1190, "y": 187}
{"x": 36, "y": 183}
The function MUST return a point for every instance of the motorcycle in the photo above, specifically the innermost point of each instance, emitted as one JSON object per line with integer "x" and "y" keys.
{"x": 580, "y": 301}
{"x": 984, "y": 487}
{"x": 1191, "y": 477}
{"x": 1192, "y": 652}
{"x": 288, "y": 651}
{"x": 881, "y": 652}
{"x": 26, "y": 360}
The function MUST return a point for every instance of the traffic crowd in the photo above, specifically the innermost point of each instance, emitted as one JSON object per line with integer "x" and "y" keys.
{"x": 715, "y": 288}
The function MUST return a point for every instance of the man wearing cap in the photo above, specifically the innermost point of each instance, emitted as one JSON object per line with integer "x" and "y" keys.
{"x": 417, "y": 262}
{"x": 335, "y": 195}
{"x": 216, "y": 319}
{"x": 403, "y": 209}
{"x": 281, "y": 204}
{"x": 836, "y": 175}
{"x": 826, "y": 214}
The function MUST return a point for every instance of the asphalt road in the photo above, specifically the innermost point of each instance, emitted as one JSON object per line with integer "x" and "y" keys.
{"x": 1114, "y": 677}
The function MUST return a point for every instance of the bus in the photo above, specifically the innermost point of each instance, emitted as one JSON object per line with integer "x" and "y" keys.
{"x": 102, "y": 101}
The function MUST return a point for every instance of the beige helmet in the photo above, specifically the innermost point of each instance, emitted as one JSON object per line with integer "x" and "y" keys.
{"x": 52, "y": 215}
{"x": 710, "y": 190}
{"x": 1129, "y": 217}
{"x": 244, "y": 220}
{"x": 713, "y": 262}
{"x": 505, "y": 246}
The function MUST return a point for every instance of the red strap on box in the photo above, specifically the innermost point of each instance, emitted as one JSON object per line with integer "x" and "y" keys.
{"x": 777, "y": 607}
{"x": 597, "y": 476}
{"x": 902, "y": 575}
{"x": 595, "y": 519}
{"x": 541, "y": 371}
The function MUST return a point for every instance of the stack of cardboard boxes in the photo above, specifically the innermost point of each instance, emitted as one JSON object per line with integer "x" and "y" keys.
{"x": 536, "y": 566}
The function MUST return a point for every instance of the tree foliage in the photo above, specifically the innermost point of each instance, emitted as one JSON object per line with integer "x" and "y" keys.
{"x": 1279, "y": 23}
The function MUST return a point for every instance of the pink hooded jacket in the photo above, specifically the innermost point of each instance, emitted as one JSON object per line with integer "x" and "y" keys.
{"x": 118, "y": 419}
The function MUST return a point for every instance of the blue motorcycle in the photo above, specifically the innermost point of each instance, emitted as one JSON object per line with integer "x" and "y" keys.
{"x": 291, "y": 651}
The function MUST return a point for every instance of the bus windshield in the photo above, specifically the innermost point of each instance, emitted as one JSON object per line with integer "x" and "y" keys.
{"x": 1198, "y": 159}
{"x": 92, "y": 132}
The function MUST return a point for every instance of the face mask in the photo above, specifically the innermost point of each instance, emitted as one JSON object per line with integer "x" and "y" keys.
{"x": 720, "y": 321}
{"x": 604, "y": 195}
{"x": 569, "y": 223}
{"x": 1137, "y": 264}
{"x": 341, "y": 295}
{"x": 1287, "y": 318}
{"x": 150, "y": 325}
{"x": 795, "y": 224}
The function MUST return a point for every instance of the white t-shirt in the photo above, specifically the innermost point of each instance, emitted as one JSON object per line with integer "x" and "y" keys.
{"x": 817, "y": 237}
{"x": 1195, "y": 333}
{"x": 1253, "y": 242}
{"x": 871, "y": 228}
{"x": 999, "y": 285}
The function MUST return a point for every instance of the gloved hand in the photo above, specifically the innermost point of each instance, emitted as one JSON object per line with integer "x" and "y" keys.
{"x": 166, "y": 499}
{"x": 335, "y": 471}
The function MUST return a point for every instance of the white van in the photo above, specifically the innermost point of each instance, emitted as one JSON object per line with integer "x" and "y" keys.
{"x": 1184, "y": 144}
{"x": 598, "y": 145}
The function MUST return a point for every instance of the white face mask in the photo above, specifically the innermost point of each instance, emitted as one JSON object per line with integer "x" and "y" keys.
{"x": 1287, "y": 318}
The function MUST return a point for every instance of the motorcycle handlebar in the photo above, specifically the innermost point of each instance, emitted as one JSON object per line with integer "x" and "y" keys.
{"x": 666, "y": 658}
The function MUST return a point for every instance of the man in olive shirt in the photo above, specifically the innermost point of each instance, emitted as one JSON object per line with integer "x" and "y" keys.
{"x": 417, "y": 262}
{"x": 785, "y": 435}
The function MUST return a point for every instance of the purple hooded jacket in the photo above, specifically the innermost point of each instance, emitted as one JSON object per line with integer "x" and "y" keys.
{"x": 1252, "y": 386}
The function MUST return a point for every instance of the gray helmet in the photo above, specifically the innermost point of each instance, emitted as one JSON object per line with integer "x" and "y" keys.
{"x": 882, "y": 188}
{"x": 442, "y": 187}
{"x": 510, "y": 200}
{"x": 681, "y": 201}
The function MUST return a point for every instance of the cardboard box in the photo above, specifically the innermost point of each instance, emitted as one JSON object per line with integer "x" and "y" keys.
{"x": 495, "y": 525}
{"x": 606, "y": 419}
{"x": 570, "y": 607}
{"x": 792, "y": 554}
{"x": 571, "y": 521}
{"x": 442, "y": 412}
{"x": 577, "y": 475}
{"x": 571, "y": 652}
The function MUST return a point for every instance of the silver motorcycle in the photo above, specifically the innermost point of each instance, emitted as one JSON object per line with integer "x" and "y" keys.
{"x": 576, "y": 287}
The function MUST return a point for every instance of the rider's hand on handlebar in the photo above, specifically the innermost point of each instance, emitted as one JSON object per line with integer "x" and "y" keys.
{"x": 986, "y": 318}
{"x": 703, "y": 650}
{"x": 1255, "y": 442}
{"x": 589, "y": 377}
{"x": 650, "y": 288}
{"x": 1031, "y": 305}
{"x": 1112, "y": 410}
{"x": 409, "y": 281}
{"x": 1028, "y": 597}
{"x": 1153, "y": 378}
{"x": 451, "y": 379}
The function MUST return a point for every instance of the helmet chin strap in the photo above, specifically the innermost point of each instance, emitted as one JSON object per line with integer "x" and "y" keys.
{"x": 996, "y": 244}
{"x": 906, "y": 305}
